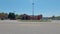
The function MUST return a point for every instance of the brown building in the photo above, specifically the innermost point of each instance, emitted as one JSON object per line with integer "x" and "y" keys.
{"x": 28, "y": 17}
{"x": 3, "y": 16}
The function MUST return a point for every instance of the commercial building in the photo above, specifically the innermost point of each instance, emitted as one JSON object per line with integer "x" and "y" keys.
{"x": 29, "y": 17}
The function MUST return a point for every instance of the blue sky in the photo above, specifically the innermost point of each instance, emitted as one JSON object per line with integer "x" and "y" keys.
{"x": 45, "y": 7}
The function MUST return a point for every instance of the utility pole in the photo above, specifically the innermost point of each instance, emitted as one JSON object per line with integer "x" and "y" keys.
{"x": 33, "y": 9}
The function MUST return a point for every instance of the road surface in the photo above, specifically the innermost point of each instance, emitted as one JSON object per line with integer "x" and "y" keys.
{"x": 17, "y": 27}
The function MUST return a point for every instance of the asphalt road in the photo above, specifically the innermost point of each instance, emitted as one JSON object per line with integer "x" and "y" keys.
{"x": 17, "y": 27}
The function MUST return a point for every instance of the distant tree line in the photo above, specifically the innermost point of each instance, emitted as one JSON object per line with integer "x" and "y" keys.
{"x": 14, "y": 16}
{"x": 55, "y": 17}
{"x": 8, "y": 16}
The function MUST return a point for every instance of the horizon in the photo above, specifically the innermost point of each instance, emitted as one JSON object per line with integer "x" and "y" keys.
{"x": 47, "y": 8}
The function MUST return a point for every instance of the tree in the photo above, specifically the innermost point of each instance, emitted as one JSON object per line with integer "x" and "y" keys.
{"x": 53, "y": 17}
{"x": 11, "y": 16}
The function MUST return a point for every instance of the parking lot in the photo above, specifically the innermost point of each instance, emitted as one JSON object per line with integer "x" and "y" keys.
{"x": 17, "y": 27}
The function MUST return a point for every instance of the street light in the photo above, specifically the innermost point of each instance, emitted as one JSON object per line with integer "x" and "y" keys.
{"x": 33, "y": 9}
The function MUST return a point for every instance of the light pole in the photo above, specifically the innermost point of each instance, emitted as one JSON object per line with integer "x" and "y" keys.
{"x": 33, "y": 9}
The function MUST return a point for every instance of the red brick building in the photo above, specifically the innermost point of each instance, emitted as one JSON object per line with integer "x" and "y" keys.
{"x": 28, "y": 17}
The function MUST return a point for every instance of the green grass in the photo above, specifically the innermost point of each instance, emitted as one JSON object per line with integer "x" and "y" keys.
{"x": 35, "y": 20}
